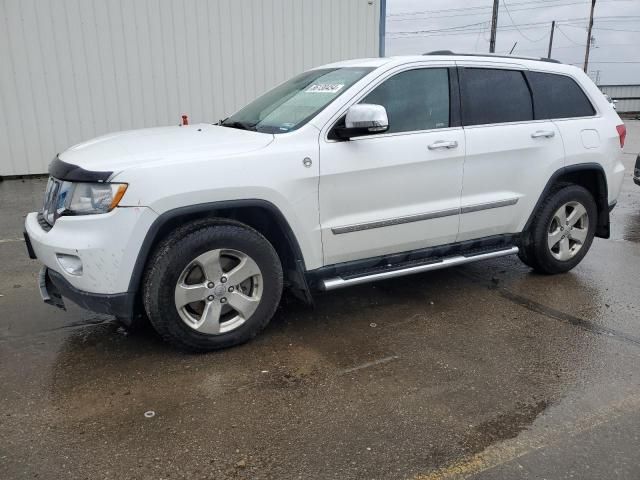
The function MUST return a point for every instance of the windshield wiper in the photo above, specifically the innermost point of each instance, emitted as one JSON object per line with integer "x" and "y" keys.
{"x": 239, "y": 125}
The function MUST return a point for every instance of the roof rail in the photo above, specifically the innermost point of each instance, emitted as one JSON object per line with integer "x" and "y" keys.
{"x": 449, "y": 52}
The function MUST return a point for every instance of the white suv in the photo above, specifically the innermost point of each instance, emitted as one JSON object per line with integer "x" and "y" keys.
{"x": 348, "y": 173}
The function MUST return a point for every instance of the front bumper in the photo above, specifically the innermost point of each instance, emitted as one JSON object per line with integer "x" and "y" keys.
{"x": 53, "y": 287}
{"x": 107, "y": 244}
{"x": 108, "y": 247}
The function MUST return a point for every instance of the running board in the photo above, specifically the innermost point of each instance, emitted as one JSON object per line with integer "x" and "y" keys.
{"x": 339, "y": 282}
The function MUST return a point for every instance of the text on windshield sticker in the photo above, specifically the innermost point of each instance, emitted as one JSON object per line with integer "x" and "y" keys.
{"x": 325, "y": 88}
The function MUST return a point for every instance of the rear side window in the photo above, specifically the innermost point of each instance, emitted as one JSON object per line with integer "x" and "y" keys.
{"x": 495, "y": 96}
{"x": 558, "y": 96}
{"x": 415, "y": 100}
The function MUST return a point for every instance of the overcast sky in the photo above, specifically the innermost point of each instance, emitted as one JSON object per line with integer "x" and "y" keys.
{"x": 418, "y": 26}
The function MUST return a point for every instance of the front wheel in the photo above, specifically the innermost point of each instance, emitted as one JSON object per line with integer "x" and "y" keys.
{"x": 562, "y": 231}
{"x": 211, "y": 286}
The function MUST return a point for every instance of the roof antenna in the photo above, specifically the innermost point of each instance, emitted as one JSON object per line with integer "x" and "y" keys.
{"x": 513, "y": 48}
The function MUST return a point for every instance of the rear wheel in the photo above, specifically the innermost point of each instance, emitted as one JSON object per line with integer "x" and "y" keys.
{"x": 562, "y": 231}
{"x": 212, "y": 286}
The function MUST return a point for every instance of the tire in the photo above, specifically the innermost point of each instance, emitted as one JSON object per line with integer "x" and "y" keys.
{"x": 193, "y": 262}
{"x": 539, "y": 248}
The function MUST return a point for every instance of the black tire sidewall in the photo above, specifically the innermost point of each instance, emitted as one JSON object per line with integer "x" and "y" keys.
{"x": 176, "y": 253}
{"x": 543, "y": 259}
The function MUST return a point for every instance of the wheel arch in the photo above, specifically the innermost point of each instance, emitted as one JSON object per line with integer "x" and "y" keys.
{"x": 588, "y": 175}
{"x": 260, "y": 215}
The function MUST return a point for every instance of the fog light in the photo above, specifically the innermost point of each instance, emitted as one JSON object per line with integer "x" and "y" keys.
{"x": 70, "y": 263}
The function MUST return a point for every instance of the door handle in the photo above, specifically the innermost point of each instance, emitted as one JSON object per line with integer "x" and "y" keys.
{"x": 543, "y": 133}
{"x": 443, "y": 144}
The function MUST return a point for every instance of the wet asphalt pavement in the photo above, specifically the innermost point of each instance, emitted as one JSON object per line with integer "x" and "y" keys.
{"x": 486, "y": 371}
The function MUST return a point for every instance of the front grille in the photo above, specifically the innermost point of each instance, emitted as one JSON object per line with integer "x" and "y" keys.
{"x": 43, "y": 223}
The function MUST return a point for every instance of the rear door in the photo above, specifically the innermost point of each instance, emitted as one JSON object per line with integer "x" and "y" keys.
{"x": 509, "y": 156}
{"x": 587, "y": 137}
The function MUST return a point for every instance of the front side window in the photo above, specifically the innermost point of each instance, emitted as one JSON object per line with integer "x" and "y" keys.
{"x": 558, "y": 96}
{"x": 495, "y": 96}
{"x": 415, "y": 100}
{"x": 295, "y": 102}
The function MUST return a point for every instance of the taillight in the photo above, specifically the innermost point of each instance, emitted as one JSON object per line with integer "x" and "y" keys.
{"x": 622, "y": 133}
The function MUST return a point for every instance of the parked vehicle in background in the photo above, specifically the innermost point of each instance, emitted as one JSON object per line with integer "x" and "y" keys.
{"x": 348, "y": 173}
{"x": 636, "y": 171}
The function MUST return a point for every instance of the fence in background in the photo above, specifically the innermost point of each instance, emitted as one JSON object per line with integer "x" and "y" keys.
{"x": 627, "y": 96}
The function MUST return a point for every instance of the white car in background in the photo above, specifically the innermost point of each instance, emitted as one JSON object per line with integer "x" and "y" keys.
{"x": 348, "y": 173}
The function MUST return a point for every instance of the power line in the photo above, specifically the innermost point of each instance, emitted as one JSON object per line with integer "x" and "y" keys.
{"x": 479, "y": 7}
{"x": 614, "y": 29}
{"x": 569, "y": 38}
{"x": 434, "y": 15}
{"x": 546, "y": 4}
{"x": 603, "y": 28}
{"x": 504, "y": 3}
{"x": 579, "y": 46}
{"x": 478, "y": 39}
{"x": 438, "y": 30}
{"x": 473, "y": 28}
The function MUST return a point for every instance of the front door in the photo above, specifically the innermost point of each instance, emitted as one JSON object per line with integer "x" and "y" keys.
{"x": 400, "y": 190}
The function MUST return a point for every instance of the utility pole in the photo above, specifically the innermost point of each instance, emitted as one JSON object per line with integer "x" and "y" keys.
{"x": 553, "y": 27}
{"x": 494, "y": 26}
{"x": 586, "y": 53}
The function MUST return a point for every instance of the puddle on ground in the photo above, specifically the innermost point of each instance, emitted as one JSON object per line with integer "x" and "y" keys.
{"x": 504, "y": 426}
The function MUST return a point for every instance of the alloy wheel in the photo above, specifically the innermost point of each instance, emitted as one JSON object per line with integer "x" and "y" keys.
{"x": 218, "y": 291}
{"x": 568, "y": 230}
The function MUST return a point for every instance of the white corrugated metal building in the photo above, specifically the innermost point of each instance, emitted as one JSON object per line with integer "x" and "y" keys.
{"x": 74, "y": 69}
{"x": 627, "y": 96}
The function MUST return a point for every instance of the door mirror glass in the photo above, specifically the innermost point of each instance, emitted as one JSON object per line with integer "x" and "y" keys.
{"x": 364, "y": 119}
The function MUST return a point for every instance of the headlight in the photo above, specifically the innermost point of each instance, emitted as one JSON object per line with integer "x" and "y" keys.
{"x": 73, "y": 198}
{"x": 88, "y": 198}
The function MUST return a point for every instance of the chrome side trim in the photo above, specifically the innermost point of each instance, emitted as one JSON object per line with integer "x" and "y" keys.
{"x": 488, "y": 206}
{"x": 356, "y": 227}
{"x": 338, "y": 282}
{"x": 395, "y": 221}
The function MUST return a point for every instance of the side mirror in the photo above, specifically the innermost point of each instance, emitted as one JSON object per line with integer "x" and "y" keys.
{"x": 363, "y": 119}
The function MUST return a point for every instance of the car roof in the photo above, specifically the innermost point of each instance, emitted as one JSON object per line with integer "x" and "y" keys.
{"x": 359, "y": 62}
{"x": 534, "y": 63}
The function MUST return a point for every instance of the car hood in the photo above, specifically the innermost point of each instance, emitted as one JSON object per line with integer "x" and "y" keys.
{"x": 118, "y": 151}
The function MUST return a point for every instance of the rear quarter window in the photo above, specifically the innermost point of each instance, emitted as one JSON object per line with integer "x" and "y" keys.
{"x": 558, "y": 96}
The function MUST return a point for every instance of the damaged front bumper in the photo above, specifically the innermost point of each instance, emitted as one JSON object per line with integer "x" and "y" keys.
{"x": 54, "y": 288}
{"x": 48, "y": 291}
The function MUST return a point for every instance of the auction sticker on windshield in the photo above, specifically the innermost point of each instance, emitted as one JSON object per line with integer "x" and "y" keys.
{"x": 325, "y": 88}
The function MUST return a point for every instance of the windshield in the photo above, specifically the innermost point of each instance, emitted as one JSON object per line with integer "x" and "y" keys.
{"x": 295, "y": 102}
